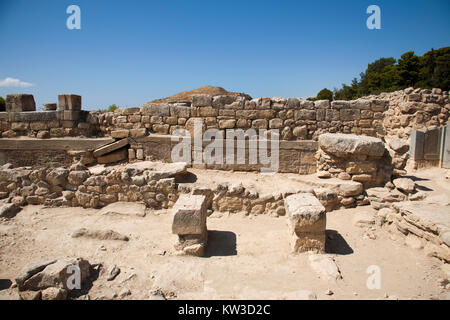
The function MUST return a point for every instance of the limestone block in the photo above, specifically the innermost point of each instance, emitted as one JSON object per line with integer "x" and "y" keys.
{"x": 20, "y": 102}
{"x": 120, "y": 134}
{"x": 307, "y": 222}
{"x": 50, "y": 107}
{"x": 189, "y": 215}
{"x": 344, "y": 145}
{"x": 115, "y": 156}
{"x": 110, "y": 147}
{"x": 201, "y": 100}
{"x": 160, "y": 110}
{"x": 70, "y": 102}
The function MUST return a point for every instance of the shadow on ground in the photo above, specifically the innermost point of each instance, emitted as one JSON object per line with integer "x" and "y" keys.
{"x": 188, "y": 177}
{"x": 336, "y": 244}
{"x": 5, "y": 284}
{"x": 221, "y": 243}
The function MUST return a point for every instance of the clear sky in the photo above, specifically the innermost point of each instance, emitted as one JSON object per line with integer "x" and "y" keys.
{"x": 131, "y": 52}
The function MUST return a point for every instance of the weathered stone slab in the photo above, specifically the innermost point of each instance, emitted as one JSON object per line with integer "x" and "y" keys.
{"x": 114, "y": 156}
{"x": 307, "y": 222}
{"x": 344, "y": 145}
{"x": 35, "y": 116}
{"x": 189, "y": 215}
{"x": 70, "y": 102}
{"x": 417, "y": 141}
{"x": 110, "y": 147}
{"x": 20, "y": 102}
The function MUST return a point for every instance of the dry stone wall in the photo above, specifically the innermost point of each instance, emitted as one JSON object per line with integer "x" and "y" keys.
{"x": 387, "y": 114}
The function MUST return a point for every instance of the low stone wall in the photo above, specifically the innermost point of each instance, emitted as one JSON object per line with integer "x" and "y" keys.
{"x": 94, "y": 188}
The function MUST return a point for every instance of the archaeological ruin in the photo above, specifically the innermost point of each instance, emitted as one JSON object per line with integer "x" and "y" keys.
{"x": 331, "y": 157}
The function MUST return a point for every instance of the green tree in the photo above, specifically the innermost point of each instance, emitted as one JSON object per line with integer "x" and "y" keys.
{"x": 409, "y": 66}
{"x": 111, "y": 108}
{"x": 432, "y": 70}
{"x": 2, "y": 104}
{"x": 325, "y": 94}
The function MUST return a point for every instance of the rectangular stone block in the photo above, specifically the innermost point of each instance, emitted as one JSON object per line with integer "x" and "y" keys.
{"x": 446, "y": 148}
{"x": 307, "y": 222}
{"x": 115, "y": 156}
{"x": 20, "y": 102}
{"x": 189, "y": 215}
{"x": 417, "y": 140}
{"x": 120, "y": 134}
{"x": 70, "y": 115}
{"x": 432, "y": 144}
{"x": 156, "y": 110}
{"x": 69, "y": 102}
{"x": 50, "y": 106}
{"x": 110, "y": 147}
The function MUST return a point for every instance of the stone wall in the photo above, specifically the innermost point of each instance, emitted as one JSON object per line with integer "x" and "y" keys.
{"x": 294, "y": 156}
{"x": 387, "y": 114}
{"x": 90, "y": 188}
{"x": 22, "y": 119}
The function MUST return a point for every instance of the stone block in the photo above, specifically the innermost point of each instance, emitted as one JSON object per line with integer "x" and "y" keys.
{"x": 201, "y": 100}
{"x": 307, "y": 222}
{"x": 69, "y": 115}
{"x": 70, "y": 102}
{"x": 50, "y": 107}
{"x": 20, "y": 103}
{"x": 120, "y": 134}
{"x": 189, "y": 215}
{"x": 115, "y": 156}
{"x": 159, "y": 110}
{"x": 110, "y": 147}
{"x": 344, "y": 145}
{"x": 417, "y": 141}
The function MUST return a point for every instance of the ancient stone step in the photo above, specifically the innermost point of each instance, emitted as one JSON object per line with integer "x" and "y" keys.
{"x": 110, "y": 147}
{"x": 307, "y": 222}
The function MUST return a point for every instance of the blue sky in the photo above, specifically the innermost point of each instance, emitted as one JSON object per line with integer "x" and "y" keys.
{"x": 130, "y": 52}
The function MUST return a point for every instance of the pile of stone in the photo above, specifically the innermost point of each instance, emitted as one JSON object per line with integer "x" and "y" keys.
{"x": 350, "y": 157}
{"x": 423, "y": 226}
{"x": 152, "y": 183}
{"x": 236, "y": 198}
{"x": 400, "y": 189}
{"x": 53, "y": 279}
{"x": 398, "y": 151}
{"x": 189, "y": 223}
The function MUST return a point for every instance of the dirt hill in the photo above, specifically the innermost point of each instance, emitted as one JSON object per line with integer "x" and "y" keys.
{"x": 186, "y": 96}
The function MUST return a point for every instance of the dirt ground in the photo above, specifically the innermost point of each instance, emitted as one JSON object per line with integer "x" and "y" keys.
{"x": 248, "y": 257}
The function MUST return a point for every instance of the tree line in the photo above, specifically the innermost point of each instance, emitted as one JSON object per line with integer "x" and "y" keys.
{"x": 432, "y": 70}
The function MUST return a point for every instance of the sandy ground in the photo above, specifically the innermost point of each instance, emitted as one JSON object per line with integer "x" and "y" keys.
{"x": 248, "y": 257}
